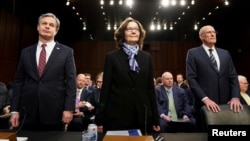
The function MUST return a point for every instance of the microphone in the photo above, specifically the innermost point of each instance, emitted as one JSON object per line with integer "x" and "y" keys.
{"x": 145, "y": 119}
{"x": 159, "y": 138}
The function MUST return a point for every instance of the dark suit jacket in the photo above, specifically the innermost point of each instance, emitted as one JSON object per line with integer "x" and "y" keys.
{"x": 87, "y": 95}
{"x": 180, "y": 101}
{"x": 127, "y": 96}
{"x": 3, "y": 97}
{"x": 97, "y": 92}
{"x": 183, "y": 86}
{"x": 80, "y": 123}
{"x": 52, "y": 93}
{"x": 205, "y": 80}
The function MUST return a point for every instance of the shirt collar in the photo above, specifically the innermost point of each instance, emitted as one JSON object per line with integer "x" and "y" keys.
{"x": 206, "y": 47}
{"x": 51, "y": 43}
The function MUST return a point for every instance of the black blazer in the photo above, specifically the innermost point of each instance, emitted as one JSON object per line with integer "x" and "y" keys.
{"x": 52, "y": 93}
{"x": 3, "y": 97}
{"x": 126, "y": 95}
{"x": 183, "y": 86}
{"x": 204, "y": 80}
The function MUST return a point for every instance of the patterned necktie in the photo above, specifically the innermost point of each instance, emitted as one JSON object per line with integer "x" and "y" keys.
{"x": 42, "y": 60}
{"x": 77, "y": 99}
{"x": 172, "y": 111}
{"x": 212, "y": 58}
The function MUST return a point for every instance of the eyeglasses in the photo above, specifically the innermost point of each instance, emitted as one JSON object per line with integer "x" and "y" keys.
{"x": 244, "y": 83}
{"x": 211, "y": 32}
{"x": 133, "y": 29}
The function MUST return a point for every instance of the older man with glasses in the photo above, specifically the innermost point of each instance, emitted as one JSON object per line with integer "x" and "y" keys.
{"x": 244, "y": 92}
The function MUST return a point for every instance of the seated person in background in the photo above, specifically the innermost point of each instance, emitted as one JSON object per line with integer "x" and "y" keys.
{"x": 89, "y": 83}
{"x": 4, "y": 106}
{"x": 158, "y": 81}
{"x": 84, "y": 108}
{"x": 180, "y": 81}
{"x": 98, "y": 87}
{"x": 173, "y": 106}
{"x": 96, "y": 92}
{"x": 245, "y": 95}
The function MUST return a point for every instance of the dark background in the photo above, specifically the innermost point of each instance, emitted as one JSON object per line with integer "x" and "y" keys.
{"x": 18, "y": 20}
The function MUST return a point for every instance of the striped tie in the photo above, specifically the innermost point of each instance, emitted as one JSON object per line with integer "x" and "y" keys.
{"x": 212, "y": 58}
{"x": 42, "y": 60}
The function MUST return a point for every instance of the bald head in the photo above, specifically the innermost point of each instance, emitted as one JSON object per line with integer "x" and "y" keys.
{"x": 80, "y": 81}
{"x": 207, "y": 35}
{"x": 167, "y": 79}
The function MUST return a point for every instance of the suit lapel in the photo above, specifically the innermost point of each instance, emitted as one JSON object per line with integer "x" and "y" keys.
{"x": 220, "y": 55}
{"x": 141, "y": 63}
{"x": 33, "y": 60}
{"x": 57, "y": 49}
{"x": 205, "y": 56}
{"x": 175, "y": 97}
{"x": 163, "y": 92}
{"x": 82, "y": 97}
{"x": 125, "y": 62}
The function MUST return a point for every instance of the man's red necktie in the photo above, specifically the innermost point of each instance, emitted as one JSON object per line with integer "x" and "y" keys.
{"x": 42, "y": 60}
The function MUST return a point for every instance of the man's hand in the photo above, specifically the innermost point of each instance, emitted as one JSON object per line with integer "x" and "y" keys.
{"x": 67, "y": 117}
{"x": 211, "y": 105}
{"x": 14, "y": 120}
{"x": 235, "y": 105}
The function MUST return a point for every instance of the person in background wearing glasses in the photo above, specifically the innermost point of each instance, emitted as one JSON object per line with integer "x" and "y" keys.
{"x": 127, "y": 99}
{"x": 97, "y": 92}
{"x": 211, "y": 75}
{"x": 97, "y": 88}
{"x": 244, "y": 91}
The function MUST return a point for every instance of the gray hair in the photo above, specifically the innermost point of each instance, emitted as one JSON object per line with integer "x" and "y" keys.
{"x": 241, "y": 77}
{"x": 203, "y": 28}
{"x": 52, "y": 16}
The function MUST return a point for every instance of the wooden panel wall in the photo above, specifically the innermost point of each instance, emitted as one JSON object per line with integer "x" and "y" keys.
{"x": 15, "y": 34}
{"x": 166, "y": 56}
{"x": 170, "y": 56}
{"x": 89, "y": 55}
{"x": 9, "y": 40}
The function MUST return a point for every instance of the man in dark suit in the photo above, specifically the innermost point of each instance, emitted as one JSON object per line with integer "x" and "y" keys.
{"x": 180, "y": 81}
{"x": 44, "y": 98}
{"x": 180, "y": 103}
{"x": 84, "y": 106}
{"x": 211, "y": 75}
